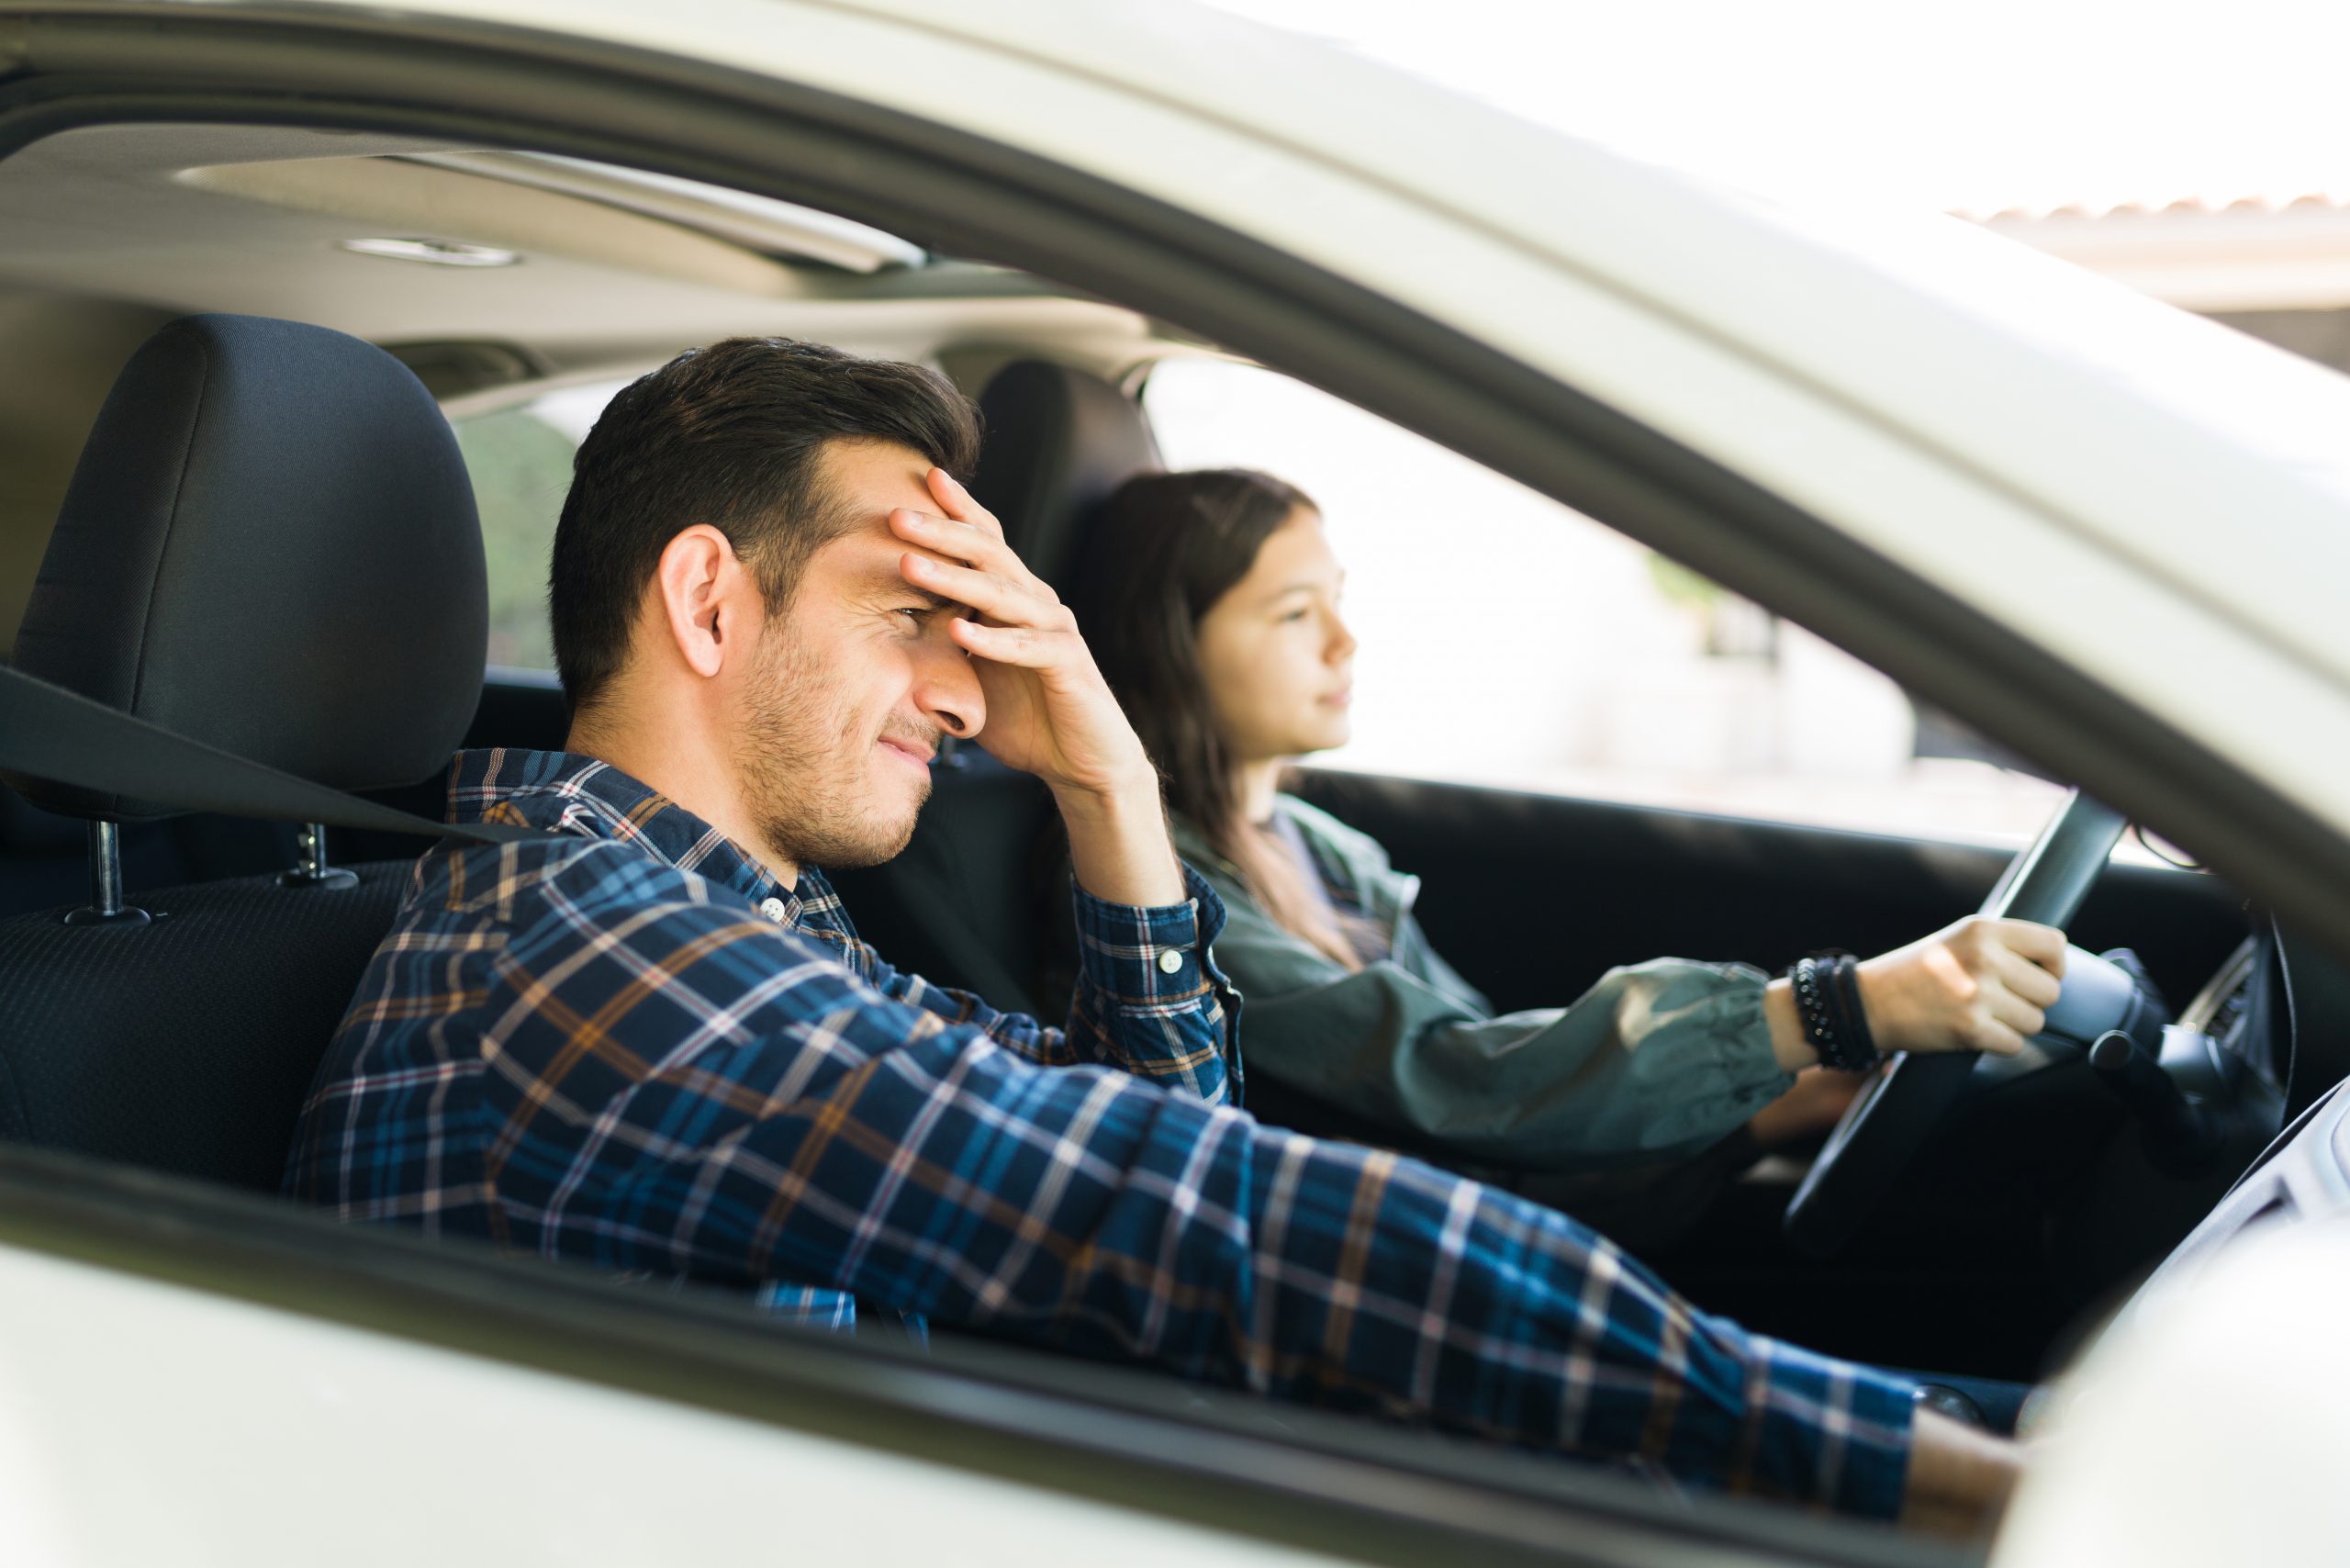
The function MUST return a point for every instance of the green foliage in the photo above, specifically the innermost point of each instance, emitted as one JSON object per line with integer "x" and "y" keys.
{"x": 1679, "y": 584}
{"x": 522, "y": 469}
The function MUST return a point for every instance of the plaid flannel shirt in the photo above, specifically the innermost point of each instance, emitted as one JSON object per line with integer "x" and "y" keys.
{"x": 628, "y": 1045}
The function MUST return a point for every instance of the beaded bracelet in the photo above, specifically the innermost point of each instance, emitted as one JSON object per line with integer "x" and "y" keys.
{"x": 1828, "y": 999}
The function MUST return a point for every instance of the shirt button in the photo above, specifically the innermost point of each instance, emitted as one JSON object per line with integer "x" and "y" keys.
{"x": 773, "y": 909}
{"x": 1169, "y": 961}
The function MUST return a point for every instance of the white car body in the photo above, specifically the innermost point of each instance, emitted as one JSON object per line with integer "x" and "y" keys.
{"x": 2160, "y": 507}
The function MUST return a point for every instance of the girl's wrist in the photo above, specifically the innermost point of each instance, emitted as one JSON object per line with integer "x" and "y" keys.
{"x": 1788, "y": 1047}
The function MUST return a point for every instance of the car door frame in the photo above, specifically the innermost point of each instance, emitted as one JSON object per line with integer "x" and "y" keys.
{"x": 77, "y": 64}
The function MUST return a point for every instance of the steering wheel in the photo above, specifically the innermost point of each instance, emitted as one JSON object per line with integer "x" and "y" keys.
{"x": 1890, "y": 1117}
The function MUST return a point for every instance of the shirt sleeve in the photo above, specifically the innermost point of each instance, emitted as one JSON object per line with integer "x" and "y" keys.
{"x": 1656, "y": 1059}
{"x": 1144, "y": 981}
{"x": 694, "y": 1091}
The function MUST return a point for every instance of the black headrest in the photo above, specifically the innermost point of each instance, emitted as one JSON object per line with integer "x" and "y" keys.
{"x": 269, "y": 544}
{"x": 1058, "y": 441}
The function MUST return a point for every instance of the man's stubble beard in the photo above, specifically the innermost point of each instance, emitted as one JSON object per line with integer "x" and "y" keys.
{"x": 806, "y": 767}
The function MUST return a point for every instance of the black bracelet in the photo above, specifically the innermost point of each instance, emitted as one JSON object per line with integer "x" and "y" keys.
{"x": 1864, "y": 1053}
{"x": 1810, "y": 986}
{"x": 1828, "y": 1000}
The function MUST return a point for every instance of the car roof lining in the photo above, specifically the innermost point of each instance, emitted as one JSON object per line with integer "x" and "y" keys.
{"x": 190, "y": 216}
{"x": 114, "y": 229}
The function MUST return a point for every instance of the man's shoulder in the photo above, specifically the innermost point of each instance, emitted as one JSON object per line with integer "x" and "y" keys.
{"x": 580, "y": 916}
{"x": 594, "y": 879}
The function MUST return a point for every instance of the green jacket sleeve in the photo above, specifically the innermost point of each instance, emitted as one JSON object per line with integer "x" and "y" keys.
{"x": 1656, "y": 1059}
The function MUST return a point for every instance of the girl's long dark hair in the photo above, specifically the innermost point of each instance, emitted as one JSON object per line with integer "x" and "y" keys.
{"x": 1158, "y": 555}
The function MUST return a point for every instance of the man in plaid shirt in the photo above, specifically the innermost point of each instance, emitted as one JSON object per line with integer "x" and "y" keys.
{"x": 653, "y": 1041}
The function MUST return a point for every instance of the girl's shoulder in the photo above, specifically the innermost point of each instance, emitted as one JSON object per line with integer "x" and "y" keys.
{"x": 1334, "y": 840}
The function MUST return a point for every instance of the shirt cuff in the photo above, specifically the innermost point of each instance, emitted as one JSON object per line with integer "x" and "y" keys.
{"x": 1154, "y": 956}
{"x": 1733, "y": 1018}
{"x": 1153, "y": 968}
{"x": 1829, "y": 1432}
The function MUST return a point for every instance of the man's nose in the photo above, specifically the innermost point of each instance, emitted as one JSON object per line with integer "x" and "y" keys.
{"x": 946, "y": 689}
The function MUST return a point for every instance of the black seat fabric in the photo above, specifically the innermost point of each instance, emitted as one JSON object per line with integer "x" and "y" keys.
{"x": 44, "y": 858}
{"x": 270, "y": 544}
{"x": 1058, "y": 441}
{"x": 968, "y": 903}
{"x": 961, "y": 904}
{"x": 186, "y": 1045}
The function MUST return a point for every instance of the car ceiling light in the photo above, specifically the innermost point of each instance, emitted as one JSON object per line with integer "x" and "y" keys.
{"x": 434, "y": 253}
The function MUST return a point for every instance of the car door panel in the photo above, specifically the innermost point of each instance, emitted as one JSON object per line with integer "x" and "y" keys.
{"x": 1534, "y": 897}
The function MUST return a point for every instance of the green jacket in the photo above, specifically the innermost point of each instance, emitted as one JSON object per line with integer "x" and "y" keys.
{"x": 1657, "y": 1059}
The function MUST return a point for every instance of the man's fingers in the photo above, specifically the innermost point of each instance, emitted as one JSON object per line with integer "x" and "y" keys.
{"x": 958, "y": 503}
{"x": 963, "y": 542}
{"x": 991, "y": 595}
{"x": 1023, "y": 646}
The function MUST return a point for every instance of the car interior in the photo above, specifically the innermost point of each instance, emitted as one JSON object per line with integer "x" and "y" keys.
{"x": 312, "y": 600}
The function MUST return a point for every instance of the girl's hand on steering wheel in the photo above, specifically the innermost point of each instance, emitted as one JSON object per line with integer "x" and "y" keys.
{"x": 1983, "y": 984}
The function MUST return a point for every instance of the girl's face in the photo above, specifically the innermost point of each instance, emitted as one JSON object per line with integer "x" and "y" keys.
{"x": 1278, "y": 658}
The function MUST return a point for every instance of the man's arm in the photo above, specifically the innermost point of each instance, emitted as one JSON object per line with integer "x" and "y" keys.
{"x": 1149, "y": 1000}
{"x": 761, "y": 1115}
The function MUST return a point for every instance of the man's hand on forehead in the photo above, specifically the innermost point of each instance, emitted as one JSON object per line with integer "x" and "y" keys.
{"x": 1049, "y": 711}
{"x": 960, "y": 559}
{"x": 892, "y": 585}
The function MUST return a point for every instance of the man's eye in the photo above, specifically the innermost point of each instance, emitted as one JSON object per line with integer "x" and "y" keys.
{"x": 1292, "y": 615}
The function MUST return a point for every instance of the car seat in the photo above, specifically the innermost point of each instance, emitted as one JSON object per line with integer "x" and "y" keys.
{"x": 269, "y": 544}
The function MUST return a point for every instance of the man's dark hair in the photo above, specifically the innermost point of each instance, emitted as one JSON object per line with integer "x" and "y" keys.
{"x": 729, "y": 435}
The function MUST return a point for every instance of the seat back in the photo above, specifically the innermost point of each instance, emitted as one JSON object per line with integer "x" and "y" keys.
{"x": 270, "y": 546}
{"x": 962, "y": 904}
{"x": 189, "y": 1044}
{"x": 44, "y": 858}
{"x": 1058, "y": 441}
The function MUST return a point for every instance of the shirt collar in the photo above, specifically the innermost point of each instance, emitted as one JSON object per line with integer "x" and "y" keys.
{"x": 564, "y": 792}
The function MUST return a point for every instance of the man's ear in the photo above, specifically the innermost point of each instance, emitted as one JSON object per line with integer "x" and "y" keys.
{"x": 699, "y": 593}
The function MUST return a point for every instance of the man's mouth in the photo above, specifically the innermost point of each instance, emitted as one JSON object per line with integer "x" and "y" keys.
{"x": 913, "y": 751}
